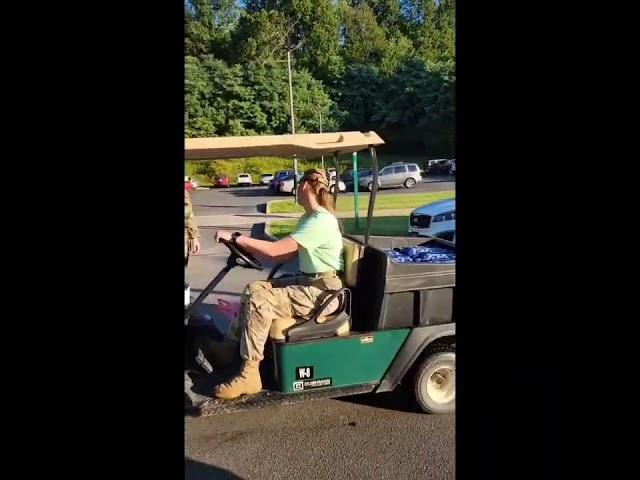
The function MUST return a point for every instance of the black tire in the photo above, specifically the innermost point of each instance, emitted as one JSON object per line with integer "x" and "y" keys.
{"x": 434, "y": 385}
{"x": 410, "y": 183}
{"x": 370, "y": 186}
{"x": 332, "y": 189}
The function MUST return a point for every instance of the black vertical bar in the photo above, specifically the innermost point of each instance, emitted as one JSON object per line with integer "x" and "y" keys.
{"x": 205, "y": 293}
{"x": 337, "y": 184}
{"x": 372, "y": 195}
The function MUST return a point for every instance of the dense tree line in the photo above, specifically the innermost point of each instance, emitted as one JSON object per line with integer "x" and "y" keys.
{"x": 386, "y": 65}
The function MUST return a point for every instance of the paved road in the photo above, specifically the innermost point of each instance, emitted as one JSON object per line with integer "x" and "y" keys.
{"x": 364, "y": 437}
{"x": 352, "y": 438}
{"x": 245, "y": 200}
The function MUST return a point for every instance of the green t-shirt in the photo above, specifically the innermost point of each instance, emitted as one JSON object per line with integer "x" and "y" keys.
{"x": 320, "y": 241}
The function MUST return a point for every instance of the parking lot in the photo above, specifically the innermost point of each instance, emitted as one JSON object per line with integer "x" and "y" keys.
{"x": 247, "y": 200}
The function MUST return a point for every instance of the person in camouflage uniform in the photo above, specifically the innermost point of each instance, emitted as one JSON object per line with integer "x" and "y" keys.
{"x": 317, "y": 242}
{"x": 191, "y": 235}
{"x": 191, "y": 241}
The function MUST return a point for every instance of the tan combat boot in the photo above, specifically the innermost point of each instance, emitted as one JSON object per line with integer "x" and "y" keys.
{"x": 220, "y": 354}
{"x": 247, "y": 382}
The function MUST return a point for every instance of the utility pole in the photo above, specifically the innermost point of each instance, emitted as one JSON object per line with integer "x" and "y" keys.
{"x": 293, "y": 125}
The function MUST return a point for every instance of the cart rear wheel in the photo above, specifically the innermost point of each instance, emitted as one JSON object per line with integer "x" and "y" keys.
{"x": 434, "y": 383}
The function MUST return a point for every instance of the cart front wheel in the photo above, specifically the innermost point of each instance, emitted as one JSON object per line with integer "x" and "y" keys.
{"x": 435, "y": 380}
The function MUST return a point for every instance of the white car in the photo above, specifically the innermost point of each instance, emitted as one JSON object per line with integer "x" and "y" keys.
{"x": 437, "y": 219}
{"x": 332, "y": 173}
{"x": 244, "y": 180}
{"x": 341, "y": 186}
{"x": 265, "y": 178}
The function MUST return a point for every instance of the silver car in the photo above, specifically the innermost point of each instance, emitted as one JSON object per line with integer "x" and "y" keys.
{"x": 395, "y": 175}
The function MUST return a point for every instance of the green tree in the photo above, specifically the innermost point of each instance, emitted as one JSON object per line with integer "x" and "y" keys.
{"x": 431, "y": 26}
{"x": 262, "y": 36}
{"x": 216, "y": 101}
{"x": 202, "y": 119}
{"x": 399, "y": 50}
{"x": 388, "y": 13}
{"x": 364, "y": 40}
{"x": 310, "y": 101}
{"x": 208, "y": 26}
{"x": 317, "y": 28}
{"x": 357, "y": 93}
{"x": 386, "y": 65}
{"x": 446, "y": 22}
{"x": 417, "y": 104}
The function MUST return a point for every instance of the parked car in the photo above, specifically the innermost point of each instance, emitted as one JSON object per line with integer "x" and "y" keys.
{"x": 438, "y": 166}
{"x": 266, "y": 178}
{"x": 332, "y": 173}
{"x": 280, "y": 174}
{"x": 222, "y": 181}
{"x": 394, "y": 175}
{"x": 190, "y": 183}
{"x": 285, "y": 184}
{"x": 341, "y": 186}
{"x": 452, "y": 166}
{"x": 347, "y": 177}
{"x": 244, "y": 180}
{"x": 437, "y": 219}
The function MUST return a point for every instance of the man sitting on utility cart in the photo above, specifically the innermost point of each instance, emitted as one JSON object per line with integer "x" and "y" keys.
{"x": 317, "y": 241}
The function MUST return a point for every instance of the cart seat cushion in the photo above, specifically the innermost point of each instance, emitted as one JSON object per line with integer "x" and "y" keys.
{"x": 352, "y": 253}
{"x": 280, "y": 326}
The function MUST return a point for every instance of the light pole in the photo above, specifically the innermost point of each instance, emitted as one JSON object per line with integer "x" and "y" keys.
{"x": 293, "y": 125}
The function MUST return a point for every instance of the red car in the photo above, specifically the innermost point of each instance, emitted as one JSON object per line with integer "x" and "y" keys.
{"x": 221, "y": 182}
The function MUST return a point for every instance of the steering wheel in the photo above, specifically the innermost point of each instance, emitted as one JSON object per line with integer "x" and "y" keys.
{"x": 248, "y": 260}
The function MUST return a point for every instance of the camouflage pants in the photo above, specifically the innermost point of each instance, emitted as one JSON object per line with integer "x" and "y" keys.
{"x": 264, "y": 301}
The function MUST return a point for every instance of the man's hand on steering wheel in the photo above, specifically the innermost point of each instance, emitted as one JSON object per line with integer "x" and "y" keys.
{"x": 228, "y": 240}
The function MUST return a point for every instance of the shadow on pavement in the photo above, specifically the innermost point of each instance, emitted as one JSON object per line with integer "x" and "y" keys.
{"x": 194, "y": 470}
{"x": 227, "y": 227}
{"x": 251, "y": 192}
{"x": 398, "y": 400}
